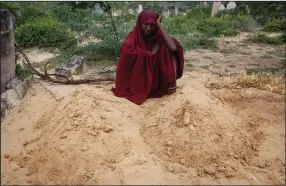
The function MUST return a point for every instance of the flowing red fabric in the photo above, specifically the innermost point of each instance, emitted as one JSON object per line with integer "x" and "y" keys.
{"x": 141, "y": 75}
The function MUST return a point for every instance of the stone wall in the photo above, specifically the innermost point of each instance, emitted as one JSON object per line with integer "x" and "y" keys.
{"x": 16, "y": 91}
{"x": 12, "y": 89}
{"x": 7, "y": 49}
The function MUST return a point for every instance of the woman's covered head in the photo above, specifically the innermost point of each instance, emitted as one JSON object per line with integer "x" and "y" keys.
{"x": 147, "y": 21}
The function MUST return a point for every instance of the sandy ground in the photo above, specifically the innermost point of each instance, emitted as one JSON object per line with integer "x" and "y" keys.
{"x": 37, "y": 55}
{"x": 235, "y": 57}
{"x": 84, "y": 135}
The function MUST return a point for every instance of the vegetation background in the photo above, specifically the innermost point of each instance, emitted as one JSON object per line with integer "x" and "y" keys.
{"x": 62, "y": 26}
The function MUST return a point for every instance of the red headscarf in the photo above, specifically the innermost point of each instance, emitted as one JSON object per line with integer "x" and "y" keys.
{"x": 155, "y": 38}
{"x": 140, "y": 74}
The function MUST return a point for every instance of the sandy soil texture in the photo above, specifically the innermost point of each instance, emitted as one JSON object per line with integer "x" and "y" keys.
{"x": 195, "y": 136}
{"x": 84, "y": 135}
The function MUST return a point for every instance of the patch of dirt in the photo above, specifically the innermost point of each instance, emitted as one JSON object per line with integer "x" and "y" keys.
{"x": 235, "y": 57}
{"x": 36, "y": 55}
{"x": 70, "y": 137}
{"x": 195, "y": 136}
{"x": 218, "y": 136}
{"x": 88, "y": 40}
{"x": 62, "y": 134}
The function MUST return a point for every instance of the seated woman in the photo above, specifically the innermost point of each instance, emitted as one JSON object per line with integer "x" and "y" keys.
{"x": 150, "y": 61}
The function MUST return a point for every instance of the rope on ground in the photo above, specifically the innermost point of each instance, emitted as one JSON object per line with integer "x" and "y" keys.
{"x": 49, "y": 91}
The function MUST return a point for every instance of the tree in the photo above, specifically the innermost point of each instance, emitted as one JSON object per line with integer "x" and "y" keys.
{"x": 264, "y": 10}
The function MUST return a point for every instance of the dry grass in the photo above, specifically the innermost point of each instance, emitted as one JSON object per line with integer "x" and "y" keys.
{"x": 270, "y": 82}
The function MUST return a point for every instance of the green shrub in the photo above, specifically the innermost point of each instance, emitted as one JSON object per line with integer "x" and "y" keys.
{"x": 185, "y": 24}
{"x": 263, "y": 38}
{"x": 199, "y": 12}
{"x": 215, "y": 27}
{"x": 240, "y": 10}
{"x": 180, "y": 25}
{"x": 230, "y": 32}
{"x": 30, "y": 13}
{"x": 265, "y": 10}
{"x": 44, "y": 32}
{"x": 251, "y": 71}
{"x": 198, "y": 19}
{"x": 76, "y": 19}
{"x": 274, "y": 25}
{"x": 11, "y": 6}
{"x": 110, "y": 48}
{"x": 196, "y": 40}
{"x": 22, "y": 72}
{"x": 240, "y": 22}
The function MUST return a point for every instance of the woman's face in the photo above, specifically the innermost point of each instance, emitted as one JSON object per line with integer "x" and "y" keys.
{"x": 148, "y": 28}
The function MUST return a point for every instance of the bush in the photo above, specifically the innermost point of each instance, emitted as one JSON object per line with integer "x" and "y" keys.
{"x": 185, "y": 24}
{"x": 240, "y": 10}
{"x": 263, "y": 38}
{"x": 198, "y": 19}
{"x": 216, "y": 27}
{"x": 251, "y": 71}
{"x": 179, "y": 25}
{"x": 44, "y": 32}
{"x": 30, "y": 13}
{"x": 110, "y": 48}
{"x": 76, "y": 19}
{"x": 274, "y": 25}
{"x": 230, "y": 32}
{"x": 11, "y": 6}
{"x": 266, "y": 10}
{"x": 22, "y": 72}
{"x": 199, "y": 13}
{"x": 240, "y": 22}
{"x": 196, "y": 40}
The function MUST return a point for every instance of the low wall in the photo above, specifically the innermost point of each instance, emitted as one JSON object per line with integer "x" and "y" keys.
{"x": 15, "y": 91}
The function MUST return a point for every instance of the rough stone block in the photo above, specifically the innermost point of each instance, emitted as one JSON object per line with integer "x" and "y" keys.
{"x": 17, "y": 85}
{"x": 76, "y": 65}
{"x": 17, "y": 90}
{"x": 62, "y": 71}
{"x": 13, "y": 83}
{"x": 11, "y": 98}
{"x": 29, "y": 81}
{"x": 3, "y": 109}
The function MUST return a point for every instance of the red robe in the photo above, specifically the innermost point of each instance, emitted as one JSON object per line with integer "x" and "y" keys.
{"x": 140, "y": 74}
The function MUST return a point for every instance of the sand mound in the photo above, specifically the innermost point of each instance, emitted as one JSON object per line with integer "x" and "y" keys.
{"x": 208, "y": 137}
{"x": 194, "y": 136}
{"x": 73, "y": 136}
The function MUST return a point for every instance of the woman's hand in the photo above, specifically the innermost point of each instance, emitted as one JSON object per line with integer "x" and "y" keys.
{"x": 169, "y": 41}
{"x": 155, "y": 49}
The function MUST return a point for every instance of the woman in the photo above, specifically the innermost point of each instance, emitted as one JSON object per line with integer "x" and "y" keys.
{"x": 150, "y": 61}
